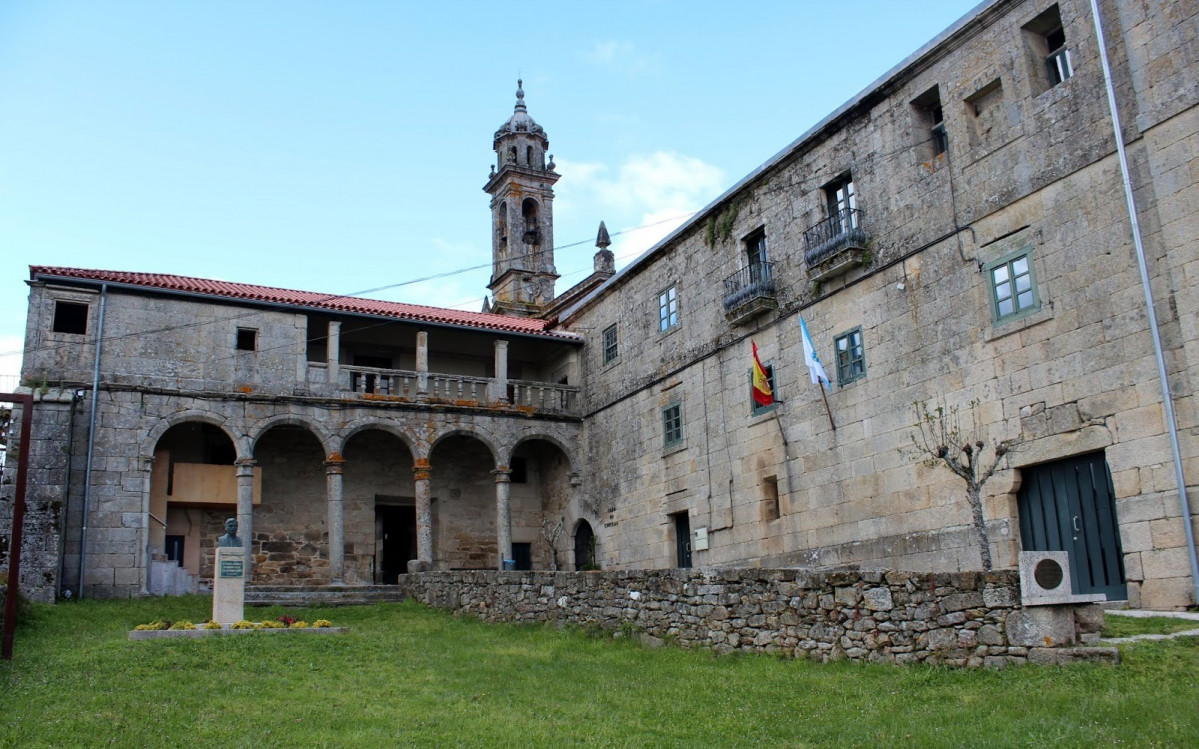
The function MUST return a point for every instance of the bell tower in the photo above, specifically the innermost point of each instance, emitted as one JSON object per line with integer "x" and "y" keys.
{"x": 521, "y": 187}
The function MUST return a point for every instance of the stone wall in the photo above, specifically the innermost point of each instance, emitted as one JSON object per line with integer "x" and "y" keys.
{"x": 965, "y": 619}
{"x": 1067, "y": 379}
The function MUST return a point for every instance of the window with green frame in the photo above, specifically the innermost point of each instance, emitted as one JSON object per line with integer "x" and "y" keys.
{"x": 610, "y": 344}
{"x": 1012, "y": 284}
{"x": 754, "y": 408}
{"x": 672, "y": 425}
{"x": 668, "y": 309}
{"x": 851, "y": 356}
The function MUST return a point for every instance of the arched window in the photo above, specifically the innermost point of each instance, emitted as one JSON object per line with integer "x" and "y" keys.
{"x": 529, "y": 156}
{"x": 512, "y": 154}
{"x": 528, "y": 210}
{"x": 501, "y": 226}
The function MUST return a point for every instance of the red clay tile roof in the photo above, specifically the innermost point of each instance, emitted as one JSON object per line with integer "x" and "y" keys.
{"x": 309, "y": 299}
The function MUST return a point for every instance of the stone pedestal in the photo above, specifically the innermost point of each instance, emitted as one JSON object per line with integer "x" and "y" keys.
{"x": 229, "y": 585}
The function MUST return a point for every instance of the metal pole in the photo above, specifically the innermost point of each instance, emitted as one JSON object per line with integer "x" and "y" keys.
{"x": 91, "y": 441}
{"x": 18, "y": 523}
{"x": 1167, "y": 399}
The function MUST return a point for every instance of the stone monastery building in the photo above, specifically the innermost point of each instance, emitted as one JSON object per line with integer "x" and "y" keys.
{"x": 957, "y": 233}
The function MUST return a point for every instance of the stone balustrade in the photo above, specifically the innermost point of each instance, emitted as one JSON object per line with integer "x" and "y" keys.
{"x": 367, "y": 382}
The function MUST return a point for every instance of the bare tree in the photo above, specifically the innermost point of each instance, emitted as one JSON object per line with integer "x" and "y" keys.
{"x": 942, "y": 442}
{"x": 550, "y": 533}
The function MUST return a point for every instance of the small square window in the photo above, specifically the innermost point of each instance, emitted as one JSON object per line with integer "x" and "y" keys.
{"x": 668, "y": 309}
{"x": 754, "y": 406}
{"x": 611, "y": 351}
{"x": 247, "y": 339}
{"x": 851, "y": 357}
{"x": 1012, "y": 281}
{"x": 672, "y": 425}
{"x": 70, "y": 317}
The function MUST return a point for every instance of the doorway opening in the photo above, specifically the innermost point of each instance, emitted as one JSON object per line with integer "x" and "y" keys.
{"x": 395, "y": 541}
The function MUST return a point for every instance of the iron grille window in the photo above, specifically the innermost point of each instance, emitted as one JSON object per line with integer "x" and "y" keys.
{"x": 755, "y": 249}
{"x": 610, "y": 344}
{"x": 668, "y": 309}
{"x": 842, "y": 204}
{"x": 672, "y": 425}
{"x": 1013, "y": 285}
{"x": 851, "y": 357}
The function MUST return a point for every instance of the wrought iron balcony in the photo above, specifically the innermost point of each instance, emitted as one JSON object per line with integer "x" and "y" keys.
{"x": 749, "y": 292}
{"x": 836, "y": 244}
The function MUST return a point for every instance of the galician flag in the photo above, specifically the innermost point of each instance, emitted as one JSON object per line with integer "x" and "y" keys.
{"x": 811, "y": 358}
{"x": 763, "y": 395}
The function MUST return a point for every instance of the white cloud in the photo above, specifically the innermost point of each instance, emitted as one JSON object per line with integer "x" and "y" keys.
{"x": 645, "y": 199}
{"x": 620, "y": 55}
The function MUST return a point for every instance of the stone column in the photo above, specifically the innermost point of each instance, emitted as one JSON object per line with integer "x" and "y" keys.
{"x": 424, "y": 517}
{"x": 503, "y": 513}
{"x": 245, "y": 507}
{"x": 333, "y": 354}
{"x": 501, "y": 371}
{"x": 337, "y": 544}
{"x": 422, "y": 363}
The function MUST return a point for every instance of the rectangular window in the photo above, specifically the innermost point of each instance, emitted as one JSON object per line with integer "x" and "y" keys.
{"x": 1013, "y": 286}
{"x": 1046, "y": 39}
{"x": 247, "y": 339}
{"x": 70, "y": 317}
{"x": 842, "y": 204}
{"x": 755, "y": 249}
{"x": 672, "y": 425}
{"x": 611, "y": 351}
{"x": 851, "y": 356}
{"x": 770, "y": 498}
{"x": 668, "y": 309}
{"x": 930, "y": 121}
{"x": 756, "y": 409}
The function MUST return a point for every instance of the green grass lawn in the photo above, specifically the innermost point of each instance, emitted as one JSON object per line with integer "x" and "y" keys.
{"x": 1115, "y": 625}
{"x": 406, "y": 675}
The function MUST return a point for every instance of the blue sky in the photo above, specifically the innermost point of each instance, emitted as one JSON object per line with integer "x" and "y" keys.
{"x": 342, "y": 146}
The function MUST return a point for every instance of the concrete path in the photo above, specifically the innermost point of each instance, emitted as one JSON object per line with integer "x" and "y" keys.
{"x": 1143, "y": 614}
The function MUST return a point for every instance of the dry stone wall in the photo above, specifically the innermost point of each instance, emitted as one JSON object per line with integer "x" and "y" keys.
{"x": 966, "y": 619}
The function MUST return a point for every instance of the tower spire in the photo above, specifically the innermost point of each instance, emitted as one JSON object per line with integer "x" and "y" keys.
{"x": 521, "y": 185}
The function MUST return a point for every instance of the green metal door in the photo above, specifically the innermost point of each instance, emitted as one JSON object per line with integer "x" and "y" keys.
{"x": 1069, "y": 505}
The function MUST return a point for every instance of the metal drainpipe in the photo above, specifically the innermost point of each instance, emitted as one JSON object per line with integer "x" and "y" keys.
{"x": 1167, "y": 400}
{"x": 91, "y": 440}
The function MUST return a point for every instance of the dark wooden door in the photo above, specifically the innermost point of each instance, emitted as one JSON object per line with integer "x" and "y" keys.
{"x": 397, "y": 541}
{"x": 682, "y": 535}
{"x": 1069, "y": 505}
{"x": 584, "y": 546}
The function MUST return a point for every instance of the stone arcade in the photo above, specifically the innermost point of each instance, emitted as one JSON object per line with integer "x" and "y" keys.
{"x": 956, "y": 232}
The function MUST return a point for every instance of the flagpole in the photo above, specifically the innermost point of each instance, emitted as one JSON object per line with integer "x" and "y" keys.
{"x": 827, "y": 410}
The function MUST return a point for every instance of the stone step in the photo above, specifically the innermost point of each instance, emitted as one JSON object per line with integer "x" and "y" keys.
{"x": 321, "y": 595}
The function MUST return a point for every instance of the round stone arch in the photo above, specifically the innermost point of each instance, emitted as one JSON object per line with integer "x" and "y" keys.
{"x": 482, "y": 436}
{"x": 156, "y": 433}
{"x": 339, "y": 440}
{"x": 545, "y": 437}
{"x": 263, "y": 426}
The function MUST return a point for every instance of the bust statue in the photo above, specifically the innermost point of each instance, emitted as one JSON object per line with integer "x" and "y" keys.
{"x": 230, "y": 539}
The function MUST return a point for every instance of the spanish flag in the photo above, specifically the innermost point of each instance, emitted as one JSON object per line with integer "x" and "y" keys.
{"x": 763, "y": 395}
